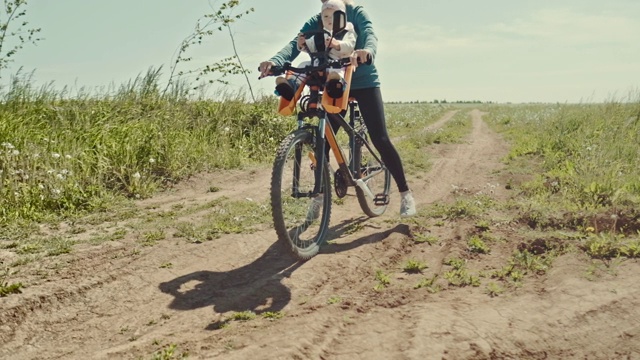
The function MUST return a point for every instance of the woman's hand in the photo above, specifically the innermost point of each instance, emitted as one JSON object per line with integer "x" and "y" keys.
{"x": 265, "y": 67}
{"x": 363, "y": 55}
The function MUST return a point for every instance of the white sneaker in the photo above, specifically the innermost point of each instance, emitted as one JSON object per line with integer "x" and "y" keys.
{"x": 315, "y": 208}
{"x": 407, "y": 204}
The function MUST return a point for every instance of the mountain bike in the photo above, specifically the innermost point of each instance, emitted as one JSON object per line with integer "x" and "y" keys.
{"x": 301, "y": 178}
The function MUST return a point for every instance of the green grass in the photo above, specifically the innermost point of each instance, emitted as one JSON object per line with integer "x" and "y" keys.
{"x": 61, "y": 155}
{"x": 81, "y": 160}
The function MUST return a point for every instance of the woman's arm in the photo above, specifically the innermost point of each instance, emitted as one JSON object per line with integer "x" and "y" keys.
{"x": 367, "y": 38}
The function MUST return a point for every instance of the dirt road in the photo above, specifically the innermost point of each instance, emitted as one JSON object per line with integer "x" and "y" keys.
{"x": 117, "y": 300}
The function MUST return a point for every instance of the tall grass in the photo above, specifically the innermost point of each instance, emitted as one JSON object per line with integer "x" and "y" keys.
{"x": 61, "y": 154}
{"x": 590, "y": 152}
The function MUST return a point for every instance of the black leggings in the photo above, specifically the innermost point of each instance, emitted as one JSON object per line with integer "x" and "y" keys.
{"x": 372, "y": 110}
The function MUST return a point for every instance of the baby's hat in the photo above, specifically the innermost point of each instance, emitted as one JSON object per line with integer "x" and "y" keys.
{"x": 334, "y": 5}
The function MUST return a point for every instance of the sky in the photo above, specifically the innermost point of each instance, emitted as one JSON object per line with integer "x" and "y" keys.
{"x": 566, "y": 51}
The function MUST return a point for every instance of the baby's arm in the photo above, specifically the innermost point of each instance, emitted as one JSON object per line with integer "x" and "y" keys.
{"x": 347, "y": 44}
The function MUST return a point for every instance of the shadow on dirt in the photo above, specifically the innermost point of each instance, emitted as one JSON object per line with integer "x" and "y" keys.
{"x": 342, "y": 228}
{"x": 256, "y": 286}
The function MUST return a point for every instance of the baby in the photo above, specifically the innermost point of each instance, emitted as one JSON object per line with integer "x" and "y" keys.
{"x": 341, "y": 46}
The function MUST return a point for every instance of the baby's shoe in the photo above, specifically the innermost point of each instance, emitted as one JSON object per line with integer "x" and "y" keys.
{"x": 284, "y": 88}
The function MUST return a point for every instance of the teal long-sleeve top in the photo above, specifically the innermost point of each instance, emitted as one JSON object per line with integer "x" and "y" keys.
{"x": 365, "y": 76}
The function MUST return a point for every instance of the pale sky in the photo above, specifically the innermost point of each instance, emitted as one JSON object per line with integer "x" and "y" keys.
{"x": 493, "y": 50}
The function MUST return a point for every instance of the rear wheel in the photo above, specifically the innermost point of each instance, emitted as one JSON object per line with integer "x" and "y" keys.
{"x": 300, "y": 219}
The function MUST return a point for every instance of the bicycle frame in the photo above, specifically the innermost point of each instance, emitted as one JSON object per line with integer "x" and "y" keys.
{"x": 324, "y": 131}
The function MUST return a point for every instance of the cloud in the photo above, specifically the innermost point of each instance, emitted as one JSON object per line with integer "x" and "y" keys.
{"x": 544, "y": 27}
{"x": 566, "y": 25}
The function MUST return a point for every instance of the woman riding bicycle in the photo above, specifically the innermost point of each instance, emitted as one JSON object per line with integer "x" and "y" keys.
{"x": 365, "y": 88}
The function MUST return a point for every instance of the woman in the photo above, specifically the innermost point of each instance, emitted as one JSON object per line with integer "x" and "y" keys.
{"x": 365, "y": 88}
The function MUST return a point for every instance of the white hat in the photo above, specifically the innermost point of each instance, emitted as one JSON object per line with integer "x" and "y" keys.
{"x": 334, "y": 5}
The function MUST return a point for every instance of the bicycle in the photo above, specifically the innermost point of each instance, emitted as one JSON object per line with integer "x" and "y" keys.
{"x": 301, "y": 182}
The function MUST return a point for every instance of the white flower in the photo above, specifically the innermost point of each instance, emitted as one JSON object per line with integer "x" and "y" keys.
{"x": 226, "y": 129}
{"x": 59, "y": 176}
{"x": 8, "y": 145}
{"x": 152, "y": 160}
{"x": 55, "y": 155}
{"x": 136, "y": 175}
{"x": 68, "y": 156}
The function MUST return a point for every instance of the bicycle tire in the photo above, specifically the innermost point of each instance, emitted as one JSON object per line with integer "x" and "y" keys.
{"x": 303, "y": 233}
{"x": 380, "y": 184}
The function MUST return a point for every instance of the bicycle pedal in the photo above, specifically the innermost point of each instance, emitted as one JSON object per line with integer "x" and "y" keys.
{"x": 381, "y": 200}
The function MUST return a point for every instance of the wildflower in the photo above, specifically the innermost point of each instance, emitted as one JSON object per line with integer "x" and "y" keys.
{"x": 67, "y": 156}
{"x": 226, "y": 129}
{"x": 152, "y": 160}
{"x": 136, "y": 175}
{"x": 55, "y": 155}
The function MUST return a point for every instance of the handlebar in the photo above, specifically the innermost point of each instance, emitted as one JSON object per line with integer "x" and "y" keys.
{"x": 330, "y": 63}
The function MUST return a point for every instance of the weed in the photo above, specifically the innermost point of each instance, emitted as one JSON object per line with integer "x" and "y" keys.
{"x": 383, "y": 280}
{"x": 414, "y": 266}
{"x": 461, "y": 277}
{"x": 429, "y": 284}
{"x": 273, "y": 315}
{"x": 477, "y": 245}
{"x": 166, "y": 265}
{"x": 334, "y": 300}
{"x": 456, "y": 263}
{"x": 482, "y": 225}
{"x": 8, "y": 289}
{"x": 354, "y": 228}
{"x": 169, "y": 352}
{"x": 494, "y": 289}
{"x": 243, "y": 315}
{"x": 424, "y": 238}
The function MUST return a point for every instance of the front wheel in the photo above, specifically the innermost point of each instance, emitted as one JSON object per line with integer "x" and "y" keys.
{"x": 377, "y": 178}
{"x": 301, "y": 218}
